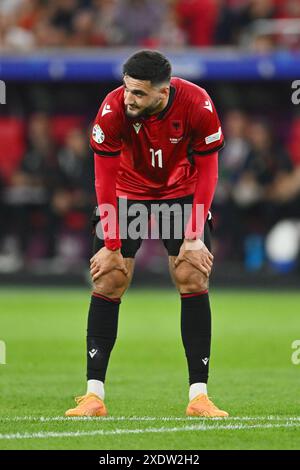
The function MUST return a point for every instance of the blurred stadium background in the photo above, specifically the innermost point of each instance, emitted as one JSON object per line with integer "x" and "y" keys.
{"x": 59, "y": 58}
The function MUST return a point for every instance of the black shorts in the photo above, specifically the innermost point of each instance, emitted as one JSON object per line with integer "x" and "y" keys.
{"x": 175, "y": 219}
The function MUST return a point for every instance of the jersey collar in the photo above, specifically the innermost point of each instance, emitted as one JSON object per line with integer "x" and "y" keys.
{"x": 169, "y": 104}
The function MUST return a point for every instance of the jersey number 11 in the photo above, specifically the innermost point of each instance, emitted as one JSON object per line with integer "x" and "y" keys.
{"x": 158, "y": 155}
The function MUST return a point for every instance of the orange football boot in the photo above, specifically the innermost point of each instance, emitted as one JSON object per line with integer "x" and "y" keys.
{"x": 202, "y": 406}
{"x": 88, "y": 405}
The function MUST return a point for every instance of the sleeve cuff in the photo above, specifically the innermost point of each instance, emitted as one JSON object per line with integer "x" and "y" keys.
{"x": 103, "y": 153}
{"x": 209, "y": 151}
{"x": 113, "y": 245}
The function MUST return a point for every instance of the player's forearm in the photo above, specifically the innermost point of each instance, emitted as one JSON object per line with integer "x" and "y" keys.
{"x": 106, "y": 171}
{"x": 207, "y": 168}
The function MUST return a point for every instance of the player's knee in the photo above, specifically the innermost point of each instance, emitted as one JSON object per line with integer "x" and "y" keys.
{"x": 189, "y": 279}
{"x": 112, "y": 285}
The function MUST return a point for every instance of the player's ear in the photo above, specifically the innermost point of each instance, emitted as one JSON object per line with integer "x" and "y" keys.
{"x": 164, "y": 91}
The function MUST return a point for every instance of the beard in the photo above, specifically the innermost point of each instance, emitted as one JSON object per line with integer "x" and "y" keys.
{"x": 136, "y": 112}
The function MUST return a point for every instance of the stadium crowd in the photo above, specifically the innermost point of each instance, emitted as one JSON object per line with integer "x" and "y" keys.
{"x": 26, "y": 25}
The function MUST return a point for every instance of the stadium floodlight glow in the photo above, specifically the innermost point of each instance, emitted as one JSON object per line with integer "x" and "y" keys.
{"x": 2, "y": 92}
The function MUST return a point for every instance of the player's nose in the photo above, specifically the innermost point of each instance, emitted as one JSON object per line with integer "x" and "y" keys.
{"x": 128, "y": 99}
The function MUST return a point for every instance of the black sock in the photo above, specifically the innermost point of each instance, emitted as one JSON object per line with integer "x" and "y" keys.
{"x": 101, "y": 334}
{"x": 196, "y": 334}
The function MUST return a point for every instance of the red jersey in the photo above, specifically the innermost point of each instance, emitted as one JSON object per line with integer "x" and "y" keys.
{"x": 154, "y": 150}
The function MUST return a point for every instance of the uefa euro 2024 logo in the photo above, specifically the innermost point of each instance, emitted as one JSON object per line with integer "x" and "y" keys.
{"x": 2, "y": 92}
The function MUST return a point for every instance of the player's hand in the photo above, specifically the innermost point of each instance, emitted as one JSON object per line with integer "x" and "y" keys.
{"x": 195, "y": 253}
{"x": 105, "y": 261}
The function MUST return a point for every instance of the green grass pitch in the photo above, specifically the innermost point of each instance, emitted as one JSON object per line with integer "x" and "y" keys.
{"x": 251, "y": 374}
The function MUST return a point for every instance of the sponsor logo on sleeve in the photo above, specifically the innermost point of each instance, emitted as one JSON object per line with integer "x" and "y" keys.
{"x": 106, "y": 110}
{"x": 208, "y": 106}
{"x": 213, "y": 137}
{"x": 98, "y": 134}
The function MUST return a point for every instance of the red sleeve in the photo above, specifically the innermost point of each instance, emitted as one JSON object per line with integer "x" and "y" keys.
{"x": 106, "y": 170}
{"x": 106, "y": 136}
{"x": 207, "y": 167}
{"x": 207, "y": 136}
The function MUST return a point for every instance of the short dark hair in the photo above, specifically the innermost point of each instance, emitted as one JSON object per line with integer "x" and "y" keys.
{"x": 148, "y": 65}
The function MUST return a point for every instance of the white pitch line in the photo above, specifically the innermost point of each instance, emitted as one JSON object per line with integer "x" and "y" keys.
{"x": 100, "y": 432}
{"x": 143, "y": 418}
